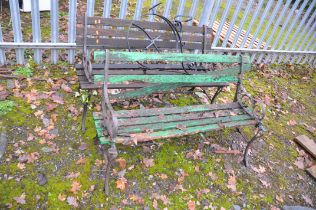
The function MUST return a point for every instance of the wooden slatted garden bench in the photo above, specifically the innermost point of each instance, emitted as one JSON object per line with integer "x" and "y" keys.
{"x": 140, "y": 125}
{"x": 97, "y": 33}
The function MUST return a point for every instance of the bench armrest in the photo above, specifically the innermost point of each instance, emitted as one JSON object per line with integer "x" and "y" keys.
{"x": 253, "y": 107}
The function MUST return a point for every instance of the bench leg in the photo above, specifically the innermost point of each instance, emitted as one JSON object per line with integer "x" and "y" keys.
{"x": 84, "y": 114}
{"x": 256, "y": 136}
{"x": 218, "y": 91}
{"x": 109, "y": 156}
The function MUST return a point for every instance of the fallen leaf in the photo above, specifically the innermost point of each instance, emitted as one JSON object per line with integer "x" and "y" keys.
{"x": 98, "y": 162}
{"x": 259, "y": 170}
{"x": 148, "y": 162}
{"x": 121, "y": 162}
{"x": 121, "y": 183}
{"x": 155, "y": 204}
{"x": 72, "y": 201}
{"x": 75, "y": 187}
{"x": 292, "y": 122}
{"x": 137, "y": 199}
{"x": 57, "y": 99}
{"x": 66, "y": 88}
{"x": 73, "y": 110}
{"x": 61, "y": 197}
{"x": 279, "y": 198}
{"x": 191, "y": 205}
{"x": 51, "y": 107}
{"x": 163, "y": 176}
{"x": 232, "y": 183}
{"x": 21, "y": 199}
{"x": 21, "y": 166}
{"x": 81, "y": 161}
{"x": 73, "y": 175}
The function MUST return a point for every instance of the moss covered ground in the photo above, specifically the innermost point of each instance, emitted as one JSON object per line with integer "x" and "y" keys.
{"x": 44, "y": 138}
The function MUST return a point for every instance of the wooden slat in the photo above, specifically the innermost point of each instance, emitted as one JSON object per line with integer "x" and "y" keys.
{"x": 172, "y": 110}
{"x": 177, "y": 57}
{"x": 307, "y": 143}
{"x": 144, "y": 24}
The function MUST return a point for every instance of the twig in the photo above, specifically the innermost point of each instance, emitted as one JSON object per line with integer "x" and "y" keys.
{"x": 233, "y": 152}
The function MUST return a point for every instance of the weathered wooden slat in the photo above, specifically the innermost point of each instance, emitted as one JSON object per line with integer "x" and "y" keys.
{"x": 85, "y": 85}
{"x": 132, "y": 34}
{"x": 144, "y": 24}
{"x": 182, "y": 124}
{"x": 142, "y": 137}
{"x": 307, "y": 143}
{"x": 179, "y": 117}
{"x": 171, "y": 110}
{"x": 147, "y": 90}
{"x": 114, "y": 43}
{"x": 177, "y": 57}
{"x": 193, "y": 79}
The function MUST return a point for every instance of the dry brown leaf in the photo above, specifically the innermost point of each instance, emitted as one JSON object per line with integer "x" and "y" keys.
{"x": 137, "y": 199}
{"x": 75, "y": 187}
{"x": 259, "y": 170}
{"x": 73, "y": 175}
{"x": 292, "y": 122}
{"x": 121, "y": 183}
{"x": 148, "y": 162}
{"x": 163, "y": 176}
{"x": 279, "y": 198}
{"x": 81, "y": 161}
{"x": 61, "y": 197}
{"x": 191, "y": 205}
{"x": 155, "y": 204}
{"x": 21, "y": 166}
{"x": 121, "y": 162}
{"x": 98, "y": 162}
{"x": 21, "y": 199}
{"x": 66, "y": 88}
{"x": 232, "y": 183}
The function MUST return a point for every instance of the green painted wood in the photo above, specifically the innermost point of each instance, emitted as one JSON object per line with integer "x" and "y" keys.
{"x": 99, "y": 129}
{"x": 189, "y": 131}
{"x": 172, "y": 110}
{"x": 175, "y": 117}
{"x": 187, "y": 124}
{"x": 147, "y": 90}
{"x": 175, "y": 57}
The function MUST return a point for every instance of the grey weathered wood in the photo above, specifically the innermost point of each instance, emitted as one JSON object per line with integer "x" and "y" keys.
{"x": 308, "y": 144}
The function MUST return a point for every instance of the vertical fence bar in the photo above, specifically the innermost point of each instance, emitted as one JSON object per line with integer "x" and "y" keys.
{"x": 293, "y": 23}
{"x": 257, "y": 11}
{"x": 267, "y": 27}
{"x": 2, "y": 52}
{"x": 214, "y": 12}
{"x": 54, "y": 14}
{"x": 16, "y": 24}
{"x": 107, "y": 8}
{"x": 309, "y": 35}
{"x": 168, "y": 7}
{"x": 242, "y": 22}
{"x": 193, "y": 10}
{"x": 36, "y": 29}
{"x": 153, "y": 3}
{"x": 284, "y": 25}
{"x": 181, "y": 7}
{"x": 232, "y": 23}
{"x": 90, "y": 8}
{"x": 223, "y": 20}
{"x": 275, "y": 27}
{"x": 138, "y": 10}
{"x": 302, "y": 22}
{"x": 308, "y": 46}
{"x": 206, "y": 12}
{"x": 258, "y": 27}
{"x": 123, "y": 9}
{"x": 72, "y": 28}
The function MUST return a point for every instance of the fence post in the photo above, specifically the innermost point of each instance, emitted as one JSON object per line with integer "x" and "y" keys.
{"x": 293, "y": 23}
{"x": 72, "y": 28}
{"x": 223, "y": 20}
{"x": 206, "y": 12}
{"x": 107, "y": 8}
{"x": 123, "y": 9}
{"x": 232, "y": 23}
{"x": 181, "y": 7}
{"x": 274, "y": 12}
{"x": 36, "y": 29}
{"x": 302, "y": 22}
{"x": 193, "y": 10}
{"x": 2, "y": 52}
{"x": 138, "y": 10}
{"x": 214, "y": 12}
{"x": 167, "y": 10}
{"x": 54, "y": 14}
{"x": 276, "y": 25}
{"x": 309, "y": 35}
{"x": 90, "y": 8}
{"x": 16, "y": 24}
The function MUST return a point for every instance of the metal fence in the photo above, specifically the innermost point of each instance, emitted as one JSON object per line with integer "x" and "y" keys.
{"x": 270, "y": 31}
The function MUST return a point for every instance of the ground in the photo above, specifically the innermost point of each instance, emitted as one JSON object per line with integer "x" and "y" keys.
{"x": 49, "y": 163}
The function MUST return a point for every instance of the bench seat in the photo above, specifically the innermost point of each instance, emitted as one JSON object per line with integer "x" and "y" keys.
{"x": 157, "y": 123}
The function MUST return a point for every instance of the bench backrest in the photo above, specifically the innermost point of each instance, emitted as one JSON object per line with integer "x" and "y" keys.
{"x": 231, "y": 74}
{"x": 109, "y": 33}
